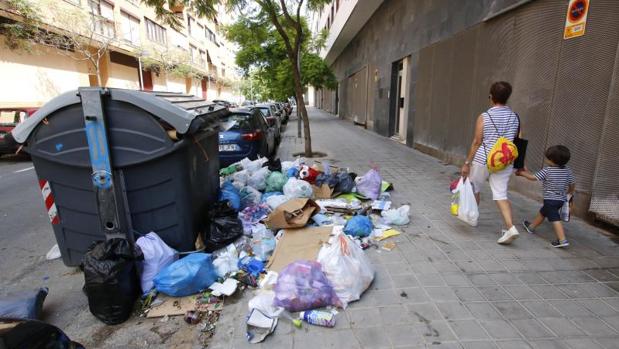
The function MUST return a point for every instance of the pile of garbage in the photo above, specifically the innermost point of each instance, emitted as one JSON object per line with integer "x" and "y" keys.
{"x": 293, "y": 232}
{"x": 304, "y": 231}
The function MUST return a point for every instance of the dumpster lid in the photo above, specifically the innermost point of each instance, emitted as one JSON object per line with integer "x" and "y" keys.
{"x": 177, "y": 109}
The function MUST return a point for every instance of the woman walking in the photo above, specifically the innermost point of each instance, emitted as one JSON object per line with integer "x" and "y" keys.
{"x": 498, "y": 121}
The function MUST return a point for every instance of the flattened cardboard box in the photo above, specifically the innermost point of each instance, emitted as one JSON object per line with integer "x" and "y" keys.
{"x": 322, "y": 192}
{"x": 294, "y": 213}
{"x": 298, "y": 244}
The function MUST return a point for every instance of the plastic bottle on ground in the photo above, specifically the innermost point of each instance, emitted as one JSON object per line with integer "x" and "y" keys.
{"x": 318, "y": 318}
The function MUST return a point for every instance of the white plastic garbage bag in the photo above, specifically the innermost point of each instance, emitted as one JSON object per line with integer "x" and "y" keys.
{"x": 346, "y": 266}
{"x": 265, "y": 302}
{"x": 262, "y": 242}
{"x": 226, "y": 261}
{"x": 258, "y": 179}
{"x": 275, "y": 201}
{"x": 298, "y": 188}
{"x": 157, "y": 255}
{"x": 467, "y": 205}
{"x": 239, "y": 179}
{"x": 397, "y": 216}
{"x": 253, "y": 166}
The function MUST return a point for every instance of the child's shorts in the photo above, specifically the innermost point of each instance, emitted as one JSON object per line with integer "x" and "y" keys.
{"x": 551, "y": 210}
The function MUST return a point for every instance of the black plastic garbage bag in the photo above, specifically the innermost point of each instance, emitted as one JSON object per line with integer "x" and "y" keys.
{"x": 345, "y": 183}
{"x": 33, "y": 334}
{"x": 274, "y": 165}
{"x": 23, "y": 305}
{"x": 111, "y": 280}
{"x": 224, "y": 226}
{"x": 331, "y": 180}
{"x": 18, "y": 334}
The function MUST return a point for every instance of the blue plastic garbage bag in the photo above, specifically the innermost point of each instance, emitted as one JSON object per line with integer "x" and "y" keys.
{"x": 292, "y": 172}
{"x": 231, "y": 194}
{"x": 186, "y": 276}
{"x": 251, "y": 265}
{"x": 359, "y": 226}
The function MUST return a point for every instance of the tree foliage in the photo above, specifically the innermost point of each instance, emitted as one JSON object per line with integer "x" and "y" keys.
{"x": 285, "y": 18}
{"x": 263, "y": 53}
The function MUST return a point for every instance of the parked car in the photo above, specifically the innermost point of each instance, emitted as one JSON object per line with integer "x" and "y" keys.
{"x": 224, "y": 103}
{"x": 246, "y": 133}
{"x": 282, "y": 112}
{"x": 9, "y": 118}
{"x": 270, "y": 112}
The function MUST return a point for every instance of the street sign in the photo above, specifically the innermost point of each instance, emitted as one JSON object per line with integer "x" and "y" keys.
{"x": 576, "y": 18}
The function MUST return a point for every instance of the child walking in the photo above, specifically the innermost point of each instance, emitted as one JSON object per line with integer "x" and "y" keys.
{"x": 557, "y": 182}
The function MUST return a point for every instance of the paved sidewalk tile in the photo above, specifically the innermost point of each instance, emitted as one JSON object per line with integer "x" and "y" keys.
{"x": 447, "y": 284}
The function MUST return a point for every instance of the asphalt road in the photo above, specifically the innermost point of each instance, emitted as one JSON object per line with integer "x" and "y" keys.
{"x": 27, "y": 236}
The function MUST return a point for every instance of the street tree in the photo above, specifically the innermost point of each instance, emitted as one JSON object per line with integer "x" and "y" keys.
{"x": 82, "y": 35}
{"x": 262, "y": 57}
{"x": 284, "y": 15}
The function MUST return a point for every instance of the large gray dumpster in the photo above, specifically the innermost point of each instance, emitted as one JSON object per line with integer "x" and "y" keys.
{"x": 163, "y": 156}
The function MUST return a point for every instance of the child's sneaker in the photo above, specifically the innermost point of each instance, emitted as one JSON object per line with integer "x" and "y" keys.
{"x": 527, "y": 227}
{"x": 560, "y": 243}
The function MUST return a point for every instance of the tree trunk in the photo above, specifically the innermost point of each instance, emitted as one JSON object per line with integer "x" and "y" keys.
{"x": 298, "y": 89}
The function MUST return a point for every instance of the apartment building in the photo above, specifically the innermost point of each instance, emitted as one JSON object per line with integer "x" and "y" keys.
{"x": 141, "y": 49}
{"x": 419, "y": 72}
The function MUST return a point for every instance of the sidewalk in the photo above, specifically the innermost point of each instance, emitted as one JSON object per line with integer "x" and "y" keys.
{"x": 449, "y": 285}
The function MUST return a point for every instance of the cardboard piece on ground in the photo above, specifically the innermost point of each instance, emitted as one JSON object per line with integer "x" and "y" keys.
{"x": 322, "y": 192}
{"x": 294, "y": 213}
{"x": 172, "y": 306}
{"x": 298, "y": 244}
{"x": 388, "y": 246}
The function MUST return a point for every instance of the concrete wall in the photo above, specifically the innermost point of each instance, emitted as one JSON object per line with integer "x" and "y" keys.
{"x": 122, "y": 76}
{"x": 31, "y": 79}
{"x": 561, "y": 87}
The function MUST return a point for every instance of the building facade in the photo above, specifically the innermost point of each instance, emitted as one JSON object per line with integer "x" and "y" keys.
{"x": 419, "y": 72}
{"x": 139, "y": 45}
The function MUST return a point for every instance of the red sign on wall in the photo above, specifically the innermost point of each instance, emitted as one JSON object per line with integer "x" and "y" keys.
{"x": 576, "y": 18}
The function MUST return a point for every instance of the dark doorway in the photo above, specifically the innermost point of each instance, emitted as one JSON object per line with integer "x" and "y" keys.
{"x": 147, "y": 80}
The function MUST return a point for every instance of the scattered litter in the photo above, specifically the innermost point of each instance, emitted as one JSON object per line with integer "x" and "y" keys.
{"x": 369, "y": 185}
{"x": 186, "y": 276}
{"x": 386, "y": 234}
{"x": 192, "y": 317}
{"x": 259, "y": 326}
{"x": 404, "y": 294}
{"x": 172, "y": 306}
{"x": 298, "y": 188}
{"x": 227, "y": 288}
{"x": 23, "y": 305}
{"x": 388, "y": 246}
{"x": 397, "y": 216}
{"x": 53, "y": 253}
{"x": 381, "y": 205}
{"x": 298, "y": 244}
{"x": 359, "y": 226}
{"x": 157, "y": 255}
{"x": 294, "y": 213}
{"x": 318, "y": 318}
{"x": 111, "y": 280}
{"x": 346, "y": 266}
{"x": 302, "y": 285}
{"x": 264, "y": 302}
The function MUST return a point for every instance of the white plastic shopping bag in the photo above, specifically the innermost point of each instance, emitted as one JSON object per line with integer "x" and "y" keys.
{"x": 466, "y": 203}
{"x": 347, "y": 267}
